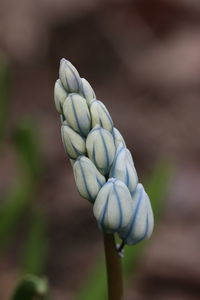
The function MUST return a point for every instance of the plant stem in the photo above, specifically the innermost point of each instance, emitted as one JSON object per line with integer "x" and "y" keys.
{"x": 114, "y": 269}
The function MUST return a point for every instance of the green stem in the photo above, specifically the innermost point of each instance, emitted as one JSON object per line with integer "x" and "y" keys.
{"x": 114, "y": 269}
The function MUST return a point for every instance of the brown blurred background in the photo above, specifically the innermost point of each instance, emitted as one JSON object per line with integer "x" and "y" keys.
{"x": 143, "y": 60}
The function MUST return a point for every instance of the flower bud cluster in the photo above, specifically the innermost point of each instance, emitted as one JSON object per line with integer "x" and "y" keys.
{"x": 103, "y": 166}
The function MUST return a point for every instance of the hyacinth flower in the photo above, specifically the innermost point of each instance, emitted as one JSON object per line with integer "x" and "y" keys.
{"x": 104, "y": 170}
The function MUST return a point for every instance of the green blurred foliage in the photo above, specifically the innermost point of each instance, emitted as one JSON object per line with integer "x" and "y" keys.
{"x": 26, "y": 144}
{"x": 35, "y": 249}
{"x": 95, "y": 285}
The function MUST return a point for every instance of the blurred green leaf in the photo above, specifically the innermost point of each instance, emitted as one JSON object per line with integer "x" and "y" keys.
{"x": 26, "y": 143}
{"x": 157, "y": 186}
{"x": 20, "y": 194}
{"x": 36, "y": 245}
{"x": 4, "y": 93}
{"x": 95, "y": 285}
{"x": 31, "y": 288}
{"x": 14, "y": 205}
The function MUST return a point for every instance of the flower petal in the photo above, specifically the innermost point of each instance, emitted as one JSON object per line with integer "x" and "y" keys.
{"x": 87, "y": 91}
{"x": 141, "y": 224}
{"x": 88, "y": 179}
{"x": 69, "y": 76}
{"x": 123, "y": 168}
{"x": 101, "y": 148}
{"x": 100, "y": 115}
{"x": 113, "y": 206}
{"x": 77, "y": 114}
{"x": 118, "y": 138}
{"x": 74, "y": 144}
{"x": 60, "y": 96}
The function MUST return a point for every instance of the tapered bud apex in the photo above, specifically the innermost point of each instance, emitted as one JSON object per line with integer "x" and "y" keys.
{"x": 69, "y": 76}
{"x": 101, "y": 148}
{"x": 118, "y": 138}
{"x": 88, "y": 179}
{"x": 77, "y": 114}
{"x": 74, "y": 144}
{"x": 123, "y": 168}
{"x": 113, "y": 206}
{"x": 100, "y": 115}
{"x": 60, "y": 95}
{"x": 87, "y": 91}
{"x": 142, "y": 221}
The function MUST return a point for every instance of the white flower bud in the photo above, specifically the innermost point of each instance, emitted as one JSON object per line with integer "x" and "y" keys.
{"x": 113, "y": 206}
{"x": 142, "y": 221}
{"x": 59, "y": 96}
{"x": 101, "y": 148}
{"x": 123, "y": 168}
{"x": 118, "y": 138}
{"x": 69, "y": 76}
{"x": 87, "y": 91}
{"x": 77, "y": 114}
{"x": 74, "y": 144}
{"x": 100, "y": 115}
{"x": 88, "y": 179}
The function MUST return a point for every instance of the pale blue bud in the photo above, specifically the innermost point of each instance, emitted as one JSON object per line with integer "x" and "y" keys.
{"x": 123, "y": 168}
{"x": 100, "y": 115}
{"x": 59, "y": 96}
{"x": 88, "y": 179}
{"x": 118, "y": 138}
{"x": 69, "y": 76}
{"x": 142, "y": 221}
{"x": 113, "y": 206}
{"x": 87, "y": 91}
{"x": 101, "y": 148}
{"x": 74, "y": 144}
{"x": 77, "y": 114}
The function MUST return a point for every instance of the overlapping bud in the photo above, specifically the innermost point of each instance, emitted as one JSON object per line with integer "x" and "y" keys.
{"x": 103, "y": 166}
{"x": 113, "y": 206}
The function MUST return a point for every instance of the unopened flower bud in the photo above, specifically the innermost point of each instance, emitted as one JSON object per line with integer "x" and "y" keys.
{"x": 100, "y": 115}
{"x": 88, "y": 179}
{"x": 87, "y": 91}
{"x": 123, "y": 168}
{"x": 142, "y": 221}
{"x": 113, "y": 206}
{"x": 74, "y": 144}
{"x": 60, "y": 95}
{"x": 69, "y": 76}
{"x": 118, "y": 138}
{"x": 101, "y": 148}
{"x": 77, "y": 114}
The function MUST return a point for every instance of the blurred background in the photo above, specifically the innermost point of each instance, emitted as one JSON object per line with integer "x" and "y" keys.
{"x": 143, "y": 60}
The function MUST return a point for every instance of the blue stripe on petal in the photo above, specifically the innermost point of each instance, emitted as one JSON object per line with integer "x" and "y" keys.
{"x": 106, "y": 152}
{"x": 120, "y": 208}
{"x": 98, "y": 181}
{"x": 77, "y": 81}
{"x": 132, "y": 224}
{"x": 127, "y": 178}
{"x": 94, "y": 156}
{"x": 145, "y": 232}
{"x": 114, "y": 162}
{"x": 76, "y": 117}
{"x": 104, "y": 212}
{"x": 85, "y": 183}
{"x": 108, "y": 116}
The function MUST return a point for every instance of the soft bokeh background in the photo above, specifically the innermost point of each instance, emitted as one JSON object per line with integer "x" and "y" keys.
{"x": 143, "y": 60}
